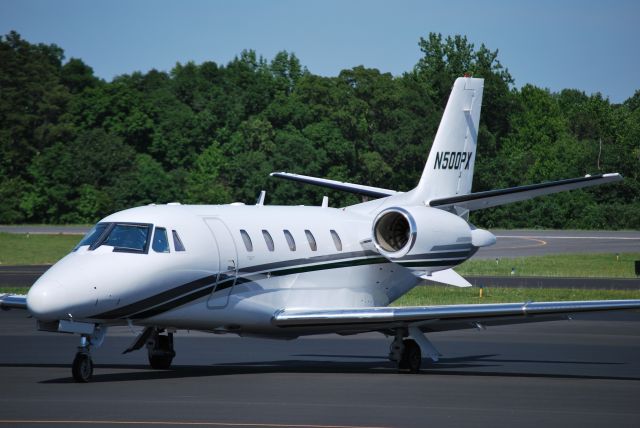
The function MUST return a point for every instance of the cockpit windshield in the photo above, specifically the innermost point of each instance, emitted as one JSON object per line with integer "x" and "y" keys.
{"x": 128, "y": 237}
{"x": 93, "y": 235}
{"x": 123, "y": 237}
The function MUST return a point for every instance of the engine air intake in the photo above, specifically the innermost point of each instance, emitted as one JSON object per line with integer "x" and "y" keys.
{"x": 394, "y": 232}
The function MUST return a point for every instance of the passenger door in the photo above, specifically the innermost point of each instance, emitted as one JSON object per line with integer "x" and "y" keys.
{"x": 228, "y": 263}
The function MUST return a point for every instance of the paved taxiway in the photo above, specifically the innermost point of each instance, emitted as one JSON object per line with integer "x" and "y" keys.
{"x": 563, "y": 373}
{"x": 525, "y": 243}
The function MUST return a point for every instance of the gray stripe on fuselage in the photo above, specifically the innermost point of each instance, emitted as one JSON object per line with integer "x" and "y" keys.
{"x": 452, "y": 247}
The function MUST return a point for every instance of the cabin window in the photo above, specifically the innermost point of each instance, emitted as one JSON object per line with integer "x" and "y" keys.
{"x": 177, "y": 242}
{"x": 247, "y": 240}
{"x": 93, "y": 235}
{"x": 289, "y": 237}
{"x": 268, "y": 240}
{"x": 336, "y": 240}
{"x": 160, "y": 240}
{"x": 127, "y": 237}
{"x": 312, "y": 240}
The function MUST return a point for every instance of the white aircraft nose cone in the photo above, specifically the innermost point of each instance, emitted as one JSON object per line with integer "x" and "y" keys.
{"x": 42, "y": 302}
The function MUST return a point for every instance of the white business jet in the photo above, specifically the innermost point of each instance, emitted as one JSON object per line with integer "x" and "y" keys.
{"x": 289, "y": 271}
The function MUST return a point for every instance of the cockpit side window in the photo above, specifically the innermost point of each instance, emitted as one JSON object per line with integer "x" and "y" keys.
{"x": 177, "y": 242}
{"x": 160, "y": 240}
{"x": 93, "y": 235}
{"x": 127, "y": 237}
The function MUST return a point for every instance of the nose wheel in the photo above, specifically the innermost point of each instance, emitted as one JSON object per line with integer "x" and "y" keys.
{"x": 82, "y": 368}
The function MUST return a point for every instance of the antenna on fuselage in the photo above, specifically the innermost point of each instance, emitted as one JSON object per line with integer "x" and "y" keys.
{"x": 325, "y": 201}
{"x": 261, "y": 196}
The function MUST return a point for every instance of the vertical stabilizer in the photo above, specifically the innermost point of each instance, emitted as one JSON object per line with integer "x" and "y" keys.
{"x": 449, "y": 168}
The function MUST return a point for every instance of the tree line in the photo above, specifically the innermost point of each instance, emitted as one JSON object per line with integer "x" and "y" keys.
{"x": 76, "y": 148}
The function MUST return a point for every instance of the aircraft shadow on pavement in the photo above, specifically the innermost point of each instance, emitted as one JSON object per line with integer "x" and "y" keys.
{"x": 472, "y": 365}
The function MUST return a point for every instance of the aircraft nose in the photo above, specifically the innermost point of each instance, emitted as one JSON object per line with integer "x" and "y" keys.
{"x": 43, "y": 301}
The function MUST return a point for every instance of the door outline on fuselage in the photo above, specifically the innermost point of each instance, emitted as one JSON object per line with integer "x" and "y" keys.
{"x": 227, "y": 264}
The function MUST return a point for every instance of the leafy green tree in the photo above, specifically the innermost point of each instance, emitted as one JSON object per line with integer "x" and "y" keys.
{"x": 203, "y": 181}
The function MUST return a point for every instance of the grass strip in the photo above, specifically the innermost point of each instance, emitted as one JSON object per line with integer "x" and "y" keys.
{"x": 447, "y": 295}
{"x": 556, "y": 265}
{"x": 34, "y": 249}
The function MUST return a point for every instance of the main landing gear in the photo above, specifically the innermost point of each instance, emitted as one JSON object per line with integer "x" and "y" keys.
{"x": 160, "y": 350}
{"x": 407, "y": 352}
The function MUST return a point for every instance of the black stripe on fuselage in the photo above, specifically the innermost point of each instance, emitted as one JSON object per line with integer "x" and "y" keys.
{"x": 157, "y": 298}
{"x": 194, "y": 290}
{"x": 308, "y": 260}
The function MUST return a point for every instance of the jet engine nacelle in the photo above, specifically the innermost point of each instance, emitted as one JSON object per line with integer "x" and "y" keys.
{"x": 426, "y": 239}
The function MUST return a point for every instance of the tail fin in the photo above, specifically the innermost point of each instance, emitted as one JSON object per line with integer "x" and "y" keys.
{"x": 449, "y": 169}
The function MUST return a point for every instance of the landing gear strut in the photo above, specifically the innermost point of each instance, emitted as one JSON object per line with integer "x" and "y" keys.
{"x": 160, "y": 350}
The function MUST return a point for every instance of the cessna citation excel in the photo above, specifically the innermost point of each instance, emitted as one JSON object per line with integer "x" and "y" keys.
{"x": 290, "y": 271}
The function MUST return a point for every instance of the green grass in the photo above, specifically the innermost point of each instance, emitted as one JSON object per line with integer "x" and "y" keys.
{"x": 560, "y": 265}
{"x": 444, "y": 295}
{"x": 34, "y": 249}
{"x": 14, "y": 290}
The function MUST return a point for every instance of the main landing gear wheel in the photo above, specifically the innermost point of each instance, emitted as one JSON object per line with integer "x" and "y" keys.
{"x": 411, "y": 357}
{"x": 82, "y": 368}
{"x": 161, "y": 352}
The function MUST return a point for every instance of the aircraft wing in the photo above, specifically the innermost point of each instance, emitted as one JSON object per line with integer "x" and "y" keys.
{"x": 492, "y": 198}
{"x": 440, "y": 318}
{"x": 13, "y": 301}
{"x": 374, "y": 192}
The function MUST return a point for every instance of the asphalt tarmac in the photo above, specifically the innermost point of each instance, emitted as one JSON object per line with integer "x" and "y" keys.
{"x": 525, "y": 243}
{"x": 584, "y": 372}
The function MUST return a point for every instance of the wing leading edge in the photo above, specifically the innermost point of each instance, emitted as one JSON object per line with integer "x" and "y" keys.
{"x": 13, "y": 301}
{"x": 374, "y": 192}
{"x": 440, "y": 318}
{"x": 493, "y": 198}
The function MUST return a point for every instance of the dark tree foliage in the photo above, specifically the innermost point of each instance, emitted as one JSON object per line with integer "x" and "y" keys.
{"x": 76, "y": 148}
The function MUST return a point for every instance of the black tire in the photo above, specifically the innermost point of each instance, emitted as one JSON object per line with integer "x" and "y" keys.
{"x": 160, "y": 362}
{"x": 411, "y": 358}
{"x": 82, "y": 368}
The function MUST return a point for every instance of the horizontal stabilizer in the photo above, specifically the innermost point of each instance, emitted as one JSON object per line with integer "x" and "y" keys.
{"x": 448, "y": 276}
{"x": 374, "y": 192}
{"x": 493, "y": 198}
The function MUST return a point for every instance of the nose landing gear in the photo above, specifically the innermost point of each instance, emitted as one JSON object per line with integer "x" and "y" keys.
{"x": 82, "y": 367}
